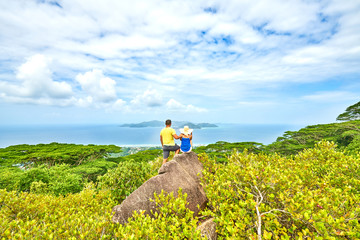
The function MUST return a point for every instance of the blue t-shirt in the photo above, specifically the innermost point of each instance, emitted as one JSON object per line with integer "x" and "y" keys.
{"x": 185, "y": 145}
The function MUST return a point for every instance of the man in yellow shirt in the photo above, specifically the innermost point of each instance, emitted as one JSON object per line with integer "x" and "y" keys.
{"x": 167, "y": 136}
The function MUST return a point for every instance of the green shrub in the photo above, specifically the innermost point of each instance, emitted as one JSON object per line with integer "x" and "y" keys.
{"x": 85, "y": 215}
{"x": 58, "y": 180}
{"x": 10, "y": 178}
{"x": 354, "y": 146}
{"x": 39, "y": 188}
{"x": 62, "y": 184}
{"x": 315, "y": 194}
{"x": 125, "y": 179}
{"x": 29, "y": 176}
{"x": 92, "y": 170}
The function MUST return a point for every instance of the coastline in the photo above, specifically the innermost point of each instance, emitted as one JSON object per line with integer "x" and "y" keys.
{"x": 111, "y": 134}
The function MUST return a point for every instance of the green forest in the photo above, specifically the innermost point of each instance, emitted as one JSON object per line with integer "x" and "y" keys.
{"x": 305, "y": 185}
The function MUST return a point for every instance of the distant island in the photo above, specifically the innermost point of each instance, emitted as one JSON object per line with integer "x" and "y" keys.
{"x": 175, "y": 124}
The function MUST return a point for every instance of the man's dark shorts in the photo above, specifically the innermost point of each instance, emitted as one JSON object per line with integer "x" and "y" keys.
{"x": 167, "y": 149}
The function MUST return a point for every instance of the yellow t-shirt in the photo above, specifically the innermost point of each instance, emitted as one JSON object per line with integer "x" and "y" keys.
{"x": 167, "y": 136}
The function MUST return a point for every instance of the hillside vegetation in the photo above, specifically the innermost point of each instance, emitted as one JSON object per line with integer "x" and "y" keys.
{"x": 61, "y": 168}
{"x": 346, "y": 135}
{"x": 299, "y": 187}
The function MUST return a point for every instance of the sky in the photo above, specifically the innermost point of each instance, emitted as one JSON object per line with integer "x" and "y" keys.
{"x": 229, "y": 61}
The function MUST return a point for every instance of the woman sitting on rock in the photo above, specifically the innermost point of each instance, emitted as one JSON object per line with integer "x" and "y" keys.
{"x": 186, "y": 139}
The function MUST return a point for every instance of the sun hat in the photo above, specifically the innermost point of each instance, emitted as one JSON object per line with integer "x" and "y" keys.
{"x": 186, "y": 130}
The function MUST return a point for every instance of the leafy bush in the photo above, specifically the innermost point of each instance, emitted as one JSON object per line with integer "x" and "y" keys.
{"x": 64, "y": 183}
{"x": 92, "y": 170}
{"x": 37, "y": 174}
{"x": 315, "y": 194}
{"x": 127, "y": 177}
{"x": 85, "y": 215}
{"x": 354, "y": 146}
{"x": 9, "y": 178}
{"x": 39, "y": 187}
{"x": 55, "y": 180}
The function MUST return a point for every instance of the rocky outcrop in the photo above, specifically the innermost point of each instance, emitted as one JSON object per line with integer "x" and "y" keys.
{"x": 184, "y": 171}
{"x": 208, "y": 229}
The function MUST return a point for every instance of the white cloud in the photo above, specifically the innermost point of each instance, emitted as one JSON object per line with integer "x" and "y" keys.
{"x": 35, "y": 84}
{"x": 37, "y": 80}
{"x": 119, "y": 104}
{"x": 174, "y": 105}
{"x": 150, "y": 98}
{"x": 217, "y": 55}
{"x": 111, "y": 46}
{"x": 99, "y": 87}
{"x": 85, "y": 102}
{"x": 144, "y": 37}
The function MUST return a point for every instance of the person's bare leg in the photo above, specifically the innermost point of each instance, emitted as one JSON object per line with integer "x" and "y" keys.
{"x": 177, "y": 151}
{"x": 164, "y": 161}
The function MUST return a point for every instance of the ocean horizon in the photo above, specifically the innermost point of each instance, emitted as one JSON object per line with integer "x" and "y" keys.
{"x": 131, "y": 137}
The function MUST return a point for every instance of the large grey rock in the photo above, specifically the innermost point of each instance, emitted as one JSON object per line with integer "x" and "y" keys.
{"x": 184, "y": 171}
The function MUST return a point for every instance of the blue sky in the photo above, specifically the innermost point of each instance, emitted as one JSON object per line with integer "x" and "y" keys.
{"x": 237, "y": 61}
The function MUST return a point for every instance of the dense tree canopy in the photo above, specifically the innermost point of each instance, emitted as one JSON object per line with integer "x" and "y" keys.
{"x": 351, "y": 113}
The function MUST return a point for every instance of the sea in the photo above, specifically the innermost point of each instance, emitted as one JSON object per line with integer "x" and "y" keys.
{"x": 133, "y": 137}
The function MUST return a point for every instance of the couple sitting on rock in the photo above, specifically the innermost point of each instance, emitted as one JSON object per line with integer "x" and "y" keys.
{"x": 167, "y": 136}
